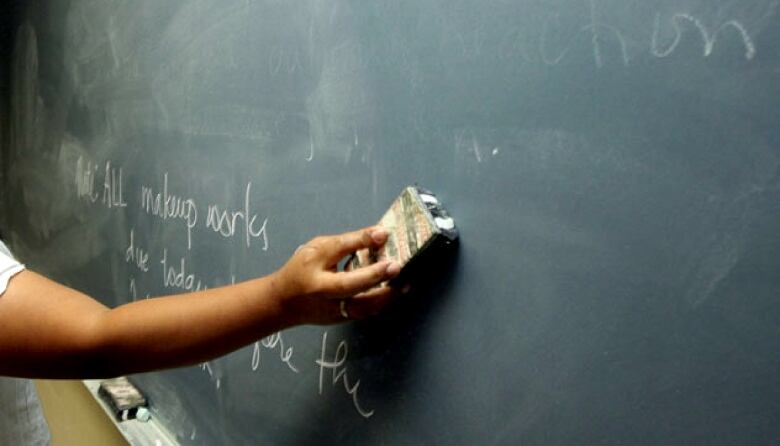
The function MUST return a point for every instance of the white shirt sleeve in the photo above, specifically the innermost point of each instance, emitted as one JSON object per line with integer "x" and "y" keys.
{"x": 8, "y": 267}
{"x": 21, "y": 416}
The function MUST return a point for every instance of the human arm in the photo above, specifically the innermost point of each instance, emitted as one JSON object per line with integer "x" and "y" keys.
{"x": 48, "y": 330}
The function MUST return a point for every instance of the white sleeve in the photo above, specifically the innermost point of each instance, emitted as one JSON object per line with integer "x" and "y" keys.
{"x": 8, "y": 267}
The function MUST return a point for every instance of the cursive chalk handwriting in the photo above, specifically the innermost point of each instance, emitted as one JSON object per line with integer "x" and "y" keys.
{"x": 272, "y": 342}
{"x": 226, "y": 223}
{"x": 338, "y": 372}
{"x": 169, "y": 206}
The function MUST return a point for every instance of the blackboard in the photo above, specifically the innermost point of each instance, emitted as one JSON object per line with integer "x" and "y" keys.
{"x": 613, "y": 166}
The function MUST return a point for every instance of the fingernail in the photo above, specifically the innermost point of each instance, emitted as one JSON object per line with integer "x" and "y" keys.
{"x": 379, "y": 235}
{"x": 393, "y": 269}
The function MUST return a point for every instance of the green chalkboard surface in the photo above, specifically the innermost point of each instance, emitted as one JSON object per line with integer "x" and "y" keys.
{"x": 613, "y": 166}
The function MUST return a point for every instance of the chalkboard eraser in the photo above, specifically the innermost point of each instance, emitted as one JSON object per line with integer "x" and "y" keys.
{"x": 124, "y": 399}
{"x": 418, "y": 227}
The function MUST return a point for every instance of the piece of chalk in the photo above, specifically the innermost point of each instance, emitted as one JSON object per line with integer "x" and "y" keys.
{"x": 143, "y": 414}
{"x": 429, "y": 199}
{"x": 445, "y": 223}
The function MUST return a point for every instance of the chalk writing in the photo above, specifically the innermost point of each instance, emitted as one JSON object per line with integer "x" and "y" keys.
{"x": 708, "y": 38}
{"x": 284, "y": 61}
{"x": 272, "y": 342}
{"x": 168, "y": 206}
{"x": 514, "y": 43}
{"x": 338, "y": 372}
{"x": 226, "y": 222}
{"x": 256, "y": 356}
{"x": 112, "y": 187}
{"x": 136, "y": 255}
{"x": 173, "y": 278}
{"x": 543, "y": 46}
{"x": 134, "y": 290}
{"x": 310, "y": 157}
{"x": 595, "y": 27}
{"x": 601, "y": 33}
{"x": 85, "y": 180}
{"x": 466, "y": 141}
{"x": 206, "y": 367}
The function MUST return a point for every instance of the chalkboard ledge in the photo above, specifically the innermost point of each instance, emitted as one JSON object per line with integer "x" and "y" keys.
{"x": 135, "y": 432}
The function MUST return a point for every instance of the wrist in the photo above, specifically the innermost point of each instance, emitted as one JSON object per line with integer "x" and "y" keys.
{"x": 281, "y": 295}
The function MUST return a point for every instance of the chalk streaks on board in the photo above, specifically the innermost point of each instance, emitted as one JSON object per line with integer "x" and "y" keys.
{"x": 546, "y": 54}
{"x": 596, "y": 26}
{"x": 709, "y": 38}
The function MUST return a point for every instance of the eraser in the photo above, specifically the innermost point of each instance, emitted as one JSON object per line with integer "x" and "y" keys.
{"x": 124, "y": 399}
{"x": 417, "y": 224}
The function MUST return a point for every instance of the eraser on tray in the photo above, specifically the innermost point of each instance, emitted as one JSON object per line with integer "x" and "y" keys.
{"x": 416, "y": 223}
{"x": 123, "y": 397}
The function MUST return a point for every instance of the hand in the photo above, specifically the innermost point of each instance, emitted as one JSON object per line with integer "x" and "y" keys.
{"x": 312, "y": 290}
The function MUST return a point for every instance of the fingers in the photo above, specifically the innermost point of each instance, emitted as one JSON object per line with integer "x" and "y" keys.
{"x": 353, "y": 282}
{"x": 312, "y": 286}
{"x": 371, "y": 302}
{"x": 368, "y": 303}
{"x": 339, "y": 246}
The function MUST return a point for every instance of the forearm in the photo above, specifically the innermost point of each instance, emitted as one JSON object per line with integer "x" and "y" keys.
{"x": 181, "y": 330}
{"x": 53, "y": 331}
